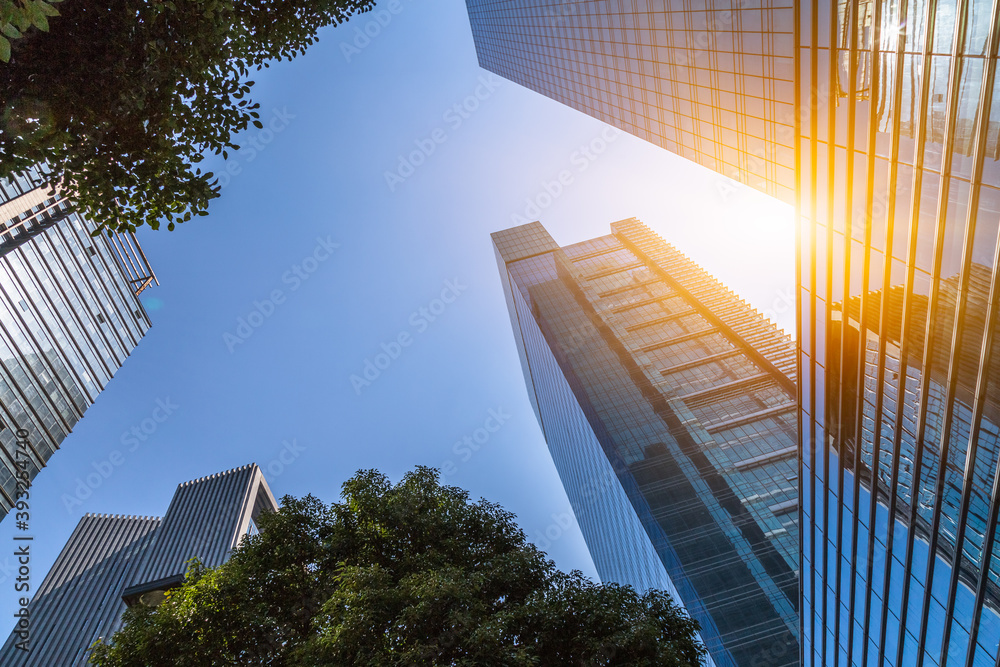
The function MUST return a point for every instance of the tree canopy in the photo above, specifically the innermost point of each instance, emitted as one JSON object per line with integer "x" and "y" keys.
{"x": 122, "y": 99}
{"x": 394, "y": 575}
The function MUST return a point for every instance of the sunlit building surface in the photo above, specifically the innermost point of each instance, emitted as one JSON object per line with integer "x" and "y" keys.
{"x": 69, "y": 317}
{"x": 710, "y": 81}
{"x": 113, "y": 561}
{"x": 898, "y": 322}
{"x": 669, "y": 409}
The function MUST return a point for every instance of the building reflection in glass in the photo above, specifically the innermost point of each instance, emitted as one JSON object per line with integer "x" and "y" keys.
{"x": 899, "y": 207}
{"x": 885, "y": 467}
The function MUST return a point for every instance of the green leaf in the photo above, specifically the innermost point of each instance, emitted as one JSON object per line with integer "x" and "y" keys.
{"x": 11, "y": 31}
{"x": 38, "y": 18}
{"x": 22, "y": 20}
{"x": 48, "y": 9}
{"x": 4, "y": 49}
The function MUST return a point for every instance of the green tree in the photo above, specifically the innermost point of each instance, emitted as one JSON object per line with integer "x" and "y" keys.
{"x": 123, "y": 98}
{"x": 398, "y": 575}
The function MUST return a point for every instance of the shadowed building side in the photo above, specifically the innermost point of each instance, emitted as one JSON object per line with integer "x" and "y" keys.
{"x": 207, "y": 519}
{"x": 111, "y": 562}
{"x": 76, "y": 602}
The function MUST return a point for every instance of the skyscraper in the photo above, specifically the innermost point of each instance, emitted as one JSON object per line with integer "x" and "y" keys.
{"x": 69, "y": 316}
{"x": 113, "y": 561}
{"x": 898, "y": 320}
{"x": 897, "y": 188}
{"x": 668, "y": 405}
{"x": 711, "y": 81}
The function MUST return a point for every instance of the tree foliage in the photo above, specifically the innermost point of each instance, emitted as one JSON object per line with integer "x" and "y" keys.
{"x": 123, "y": 98}
{"x": 18, "y": 16}
{"x": 411, "y": 574}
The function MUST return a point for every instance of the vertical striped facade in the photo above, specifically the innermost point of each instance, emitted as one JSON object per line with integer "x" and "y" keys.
{"x": 709, "y": 80}
{"x": 69, "y": 317}
{"x": 111, "y": 561}
{"x": 899, "y": 205}
{"x": 206, "y": 519}
{"x": 668, "y": 406}
{"x": 76, "y": 602}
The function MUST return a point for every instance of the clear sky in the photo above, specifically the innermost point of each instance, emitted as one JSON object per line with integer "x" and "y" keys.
{"x": 309, "y": 215}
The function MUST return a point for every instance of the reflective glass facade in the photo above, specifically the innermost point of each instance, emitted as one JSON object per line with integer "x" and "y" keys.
{"x": 69, "y": 316}
{"x": 710, "y": 80}
{"x": 897, "y": 185}
{"x": 668, "y": 405}
{"x": 899, "y": 205}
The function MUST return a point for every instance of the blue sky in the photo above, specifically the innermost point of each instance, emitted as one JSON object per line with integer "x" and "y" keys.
{"x": 309, "y": 216}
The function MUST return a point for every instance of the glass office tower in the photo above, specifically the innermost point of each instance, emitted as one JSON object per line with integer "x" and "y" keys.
{"x": 899, "y": 205}
{"x": 709, "y": 80}
{"x": 897, "y": 185}
{"x": 668, "y": 405}
{"x": 114, "y": 561}
{"x": 69, "y": 316}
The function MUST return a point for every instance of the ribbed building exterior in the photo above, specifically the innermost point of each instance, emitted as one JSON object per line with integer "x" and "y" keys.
{"x": 711, "y": 81}
{"x": 112, "y": 561}
{"x": 69, "y": 317}
{"x": 898, "y": 323}
{"x": 668, "y": 406}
